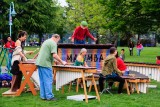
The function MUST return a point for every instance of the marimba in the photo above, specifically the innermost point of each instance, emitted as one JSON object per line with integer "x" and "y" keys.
{"x": 138, "y": 81}
{"x": 66, "y": 74}
{"x": 150, "y": 70}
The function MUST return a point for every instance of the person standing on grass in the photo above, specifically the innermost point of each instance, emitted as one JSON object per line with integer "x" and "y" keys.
{"x": 17, "y": 57}
{"x": 10, "y": 45}
{"x": 131, "y": 46}
{"x": 80, "y": 33}
{"x": 110, "y": 71}
{"x": 139, "y": 48}
{"x": 47, "y": 54}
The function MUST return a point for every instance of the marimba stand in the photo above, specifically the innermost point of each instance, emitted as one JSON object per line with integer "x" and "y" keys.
{"x": 82, "y": 70}
{"x": 27, "y": 69}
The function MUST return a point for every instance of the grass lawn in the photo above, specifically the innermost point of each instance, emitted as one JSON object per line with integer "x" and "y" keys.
{"x": 151, "y": 99}
{"x": 148, "y": 54}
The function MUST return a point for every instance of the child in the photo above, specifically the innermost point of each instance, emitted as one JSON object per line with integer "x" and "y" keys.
{"x": 139, "y": 48}
{"x": 158, "y": 60}
{"x": 122, "y": 55}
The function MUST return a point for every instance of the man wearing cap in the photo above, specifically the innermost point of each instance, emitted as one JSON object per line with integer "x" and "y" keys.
{"x": 80, "y": 32}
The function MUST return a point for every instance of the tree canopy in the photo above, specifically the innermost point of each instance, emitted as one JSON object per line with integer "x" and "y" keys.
{"x": 34, "y": 16}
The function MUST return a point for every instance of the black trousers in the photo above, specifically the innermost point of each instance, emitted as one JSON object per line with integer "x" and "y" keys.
{"x": 131, "y": 52}
{"x": 116, "y": 78}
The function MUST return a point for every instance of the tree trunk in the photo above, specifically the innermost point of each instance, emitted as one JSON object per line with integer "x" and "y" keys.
{"x": 40, "y": 38}
{"x": 138, "y": 37}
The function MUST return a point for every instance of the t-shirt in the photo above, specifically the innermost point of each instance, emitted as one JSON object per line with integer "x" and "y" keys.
{"x": 120, "y": 64}
{"x": 10, "y": 44}
{"x": 45, "y": 57}
{"x": 158, "y": 62}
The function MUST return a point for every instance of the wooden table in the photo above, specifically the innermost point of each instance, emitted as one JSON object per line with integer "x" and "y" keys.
{"x": 27, "y": 69}
{"x": 136, "y": 79}
{"x": 69, "y": 73}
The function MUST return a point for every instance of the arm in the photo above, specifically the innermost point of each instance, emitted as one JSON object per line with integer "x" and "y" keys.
{"x": 13, "y": 44}
{"x": 28, "y": 52}
{"x": 90, "y": 36}
{"x": 85, "y": 64}
{"x": 74, "y": 33}
{"x": 23, "y": 56}
{"x": 115, "y": 66}
{"x": 55, "y": 56}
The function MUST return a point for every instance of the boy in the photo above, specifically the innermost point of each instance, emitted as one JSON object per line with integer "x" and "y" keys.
{"x": 122, "y": 55}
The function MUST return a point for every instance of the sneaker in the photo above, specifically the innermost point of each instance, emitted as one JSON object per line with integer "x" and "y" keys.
{"x": 52, "y": 99}
{"x": 43, "y": 99}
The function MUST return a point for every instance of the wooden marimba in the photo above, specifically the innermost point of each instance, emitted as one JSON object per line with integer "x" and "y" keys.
{"x": 137, "y": 81}
{"x": 150, "y": 70}
{"x": 66, "y": 74}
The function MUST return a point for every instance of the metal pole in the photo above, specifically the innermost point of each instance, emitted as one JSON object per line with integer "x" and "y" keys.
{"x": 10, "y": 21}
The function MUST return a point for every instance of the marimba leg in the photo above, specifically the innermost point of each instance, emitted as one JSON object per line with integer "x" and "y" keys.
{"x": 62, "y": 90}
{"x": 95, "y": 87}
{"x": 77, "y": 87}
{"x": 70, "y": 85}
{"x": 84, "y": 85}
{"x": 127, "y": 87}
{"x": 90, "y": 87}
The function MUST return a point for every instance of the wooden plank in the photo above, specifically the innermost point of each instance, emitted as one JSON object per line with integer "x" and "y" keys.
{"x": 9, "y": 93}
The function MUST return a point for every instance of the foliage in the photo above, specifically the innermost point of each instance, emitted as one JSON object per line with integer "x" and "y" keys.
{"x": 34, "y": 16}
{"x": 89, "y": 10}
{"x": 131, "y": 16}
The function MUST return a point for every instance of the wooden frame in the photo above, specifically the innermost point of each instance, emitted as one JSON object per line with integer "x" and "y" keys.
{"x": 27, "y": 69}
{"x": 82, "y": 70}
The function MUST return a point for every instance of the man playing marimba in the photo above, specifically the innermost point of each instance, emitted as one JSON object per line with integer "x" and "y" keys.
{"x": 110, "y": 70}
{"x": 47, "y": 53}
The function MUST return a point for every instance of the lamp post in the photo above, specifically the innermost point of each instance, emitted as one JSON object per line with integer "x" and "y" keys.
{"x": 11, "y": 13}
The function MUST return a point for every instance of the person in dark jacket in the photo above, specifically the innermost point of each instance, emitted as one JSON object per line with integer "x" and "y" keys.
{"x": 131, "y": 46}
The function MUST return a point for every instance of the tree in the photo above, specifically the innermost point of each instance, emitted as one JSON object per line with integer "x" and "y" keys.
{"x": 89, "y": 10}
{"x": 129, "y": 16}
{"x": 34, "y": 16}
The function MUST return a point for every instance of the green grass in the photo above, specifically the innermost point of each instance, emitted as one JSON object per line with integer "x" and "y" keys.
{"x": 148, "y": 54}
{"x": 151, "y": 99}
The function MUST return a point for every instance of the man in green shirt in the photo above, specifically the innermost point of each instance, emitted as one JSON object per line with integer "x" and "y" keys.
{"x": 47, "y": 54}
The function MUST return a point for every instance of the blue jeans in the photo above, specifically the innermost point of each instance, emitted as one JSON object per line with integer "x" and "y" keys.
{"x": 9, "y": 60}
{"x": 79, "y": 41}
{"x": 138, "y": 52}
{"x": 126, "y": 73}
{"x": 46, "y": 80}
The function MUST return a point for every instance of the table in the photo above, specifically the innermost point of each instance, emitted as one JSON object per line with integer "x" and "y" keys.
{"x": 27, "y": 69}
{"x": 66, "y": 74}
{"x": 138, "y": 79}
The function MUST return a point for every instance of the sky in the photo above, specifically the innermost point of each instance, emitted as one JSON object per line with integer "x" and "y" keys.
{"x": 62, "y": 2}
